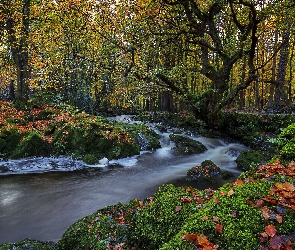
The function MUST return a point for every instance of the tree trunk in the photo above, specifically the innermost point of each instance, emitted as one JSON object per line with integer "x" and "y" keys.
{"x": 280, "y": 98}
{"x": 20, "y": 50}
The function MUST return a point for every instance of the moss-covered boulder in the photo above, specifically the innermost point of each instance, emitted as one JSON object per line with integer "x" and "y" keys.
{"x": 145, "y": 137}
{"x": 205, "y": 172}
{"x": 104, "y": 229}
{"x": 163, "y": 216}
{"x": 250, "y": 157}
{"x": 185, "y": 145}
{"x": 97, "y": 138}
{"x": 9, "y": 139}
{"x": 285, "y": 144}
{"x": 28, "y": 244}
{"x": 90, "y": 159}
{"x": 32, "y": 145}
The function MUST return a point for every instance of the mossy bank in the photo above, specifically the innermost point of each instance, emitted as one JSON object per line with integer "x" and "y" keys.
{"x": 51, "y": 131}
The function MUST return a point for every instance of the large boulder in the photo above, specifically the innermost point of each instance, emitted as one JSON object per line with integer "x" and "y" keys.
{"x": 187, "y": 146}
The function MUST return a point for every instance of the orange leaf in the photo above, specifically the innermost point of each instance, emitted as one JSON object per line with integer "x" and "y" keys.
{"x": 191, "y": 237}
{"x": 271, "y": 230}
{"x": 265, "y": 212}
{"x": 238, "y": 183}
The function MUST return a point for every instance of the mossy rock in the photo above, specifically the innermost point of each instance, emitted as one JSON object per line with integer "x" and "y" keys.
{"x": 28, "y": 244}
{"x": 250, "y": 157}
{"x": 9, "y": 141}
{"x": 2, "y": 144}
{"x": 227, "y": 175}
{"x": 203, "y": 173}
{"x": 185, "y": 145}
{"x": 31, "y": 145}
{"x": 104, "y": 229}
{"x": 161, "y": 217}
{"x": 90, "y": 159}
{"x": 241, "y": 222}
{"x": 46, "y": 114}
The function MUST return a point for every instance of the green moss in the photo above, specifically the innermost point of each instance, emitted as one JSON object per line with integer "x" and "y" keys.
{"x": 104, "y": 229}
{"x": 185, "y": 145}
{"x": 157, "y": 222}
{"x": 205, "y": 172}
{"x": 12, "y": 138}
{"x": 31, "y": 145}
{"x": 28, "y": 244}
{"x": 90, "y": 159}
{"x": 46, "y": 114}
{"x": 242, "y": 223}
{"x": 250, "y": 157}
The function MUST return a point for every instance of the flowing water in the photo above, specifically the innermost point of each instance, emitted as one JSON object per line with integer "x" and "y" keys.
{"x": 41, "y": 197}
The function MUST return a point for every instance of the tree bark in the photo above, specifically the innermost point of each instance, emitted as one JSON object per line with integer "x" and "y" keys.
{"x": 20, "y": 50}
{"x": 280, "y": 97}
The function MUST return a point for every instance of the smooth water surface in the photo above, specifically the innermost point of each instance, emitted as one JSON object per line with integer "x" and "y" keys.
{"x": 41, "y": 201}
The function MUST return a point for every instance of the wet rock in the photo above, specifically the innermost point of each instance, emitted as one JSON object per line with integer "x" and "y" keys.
{"x": 203, "y": 173}
{"x": 185, "y": 145}
{"x": 4, "y": 169}
{"x": 227, "y": 175}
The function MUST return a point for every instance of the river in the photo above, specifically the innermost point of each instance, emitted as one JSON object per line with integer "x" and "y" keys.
{"x": 41, "y": 197}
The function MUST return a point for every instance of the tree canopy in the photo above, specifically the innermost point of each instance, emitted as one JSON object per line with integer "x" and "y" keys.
{"x": 154, "y": 55}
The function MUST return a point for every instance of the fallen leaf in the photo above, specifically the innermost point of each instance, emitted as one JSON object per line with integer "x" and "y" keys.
{"x": 219, "y": 228}
{"x": 191, "y": 237}
{"x": 178, "y": 208}
{"x": 186, "y": 200}
{"x": 259, "y": 203}
{"x": 215, "y": 219}
{"x": 230, "y": 192}
{"x": 279, "y": 218}
{"x": 265, "y": 212}
{"x": 270, "y": 230}
{"x": 264, "y": 237}
{"x": 276, "y": 242}
{"x": 238, "y": 183}
{"x": 204, "y": 218}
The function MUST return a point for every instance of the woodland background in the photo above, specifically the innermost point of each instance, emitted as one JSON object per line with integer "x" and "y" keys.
{"x": 136, "y": 55}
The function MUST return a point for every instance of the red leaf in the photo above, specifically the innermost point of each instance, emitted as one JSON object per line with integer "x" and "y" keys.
{"x": 264, "y": 237}
{"x": 271, "y": 230}
{"x": 216, "y": 200}
{"x": 219, "y": 228}
{"x": 276, "y": 242}
{"x": 259, "y": 203}
{"x": 186, "y": 200}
